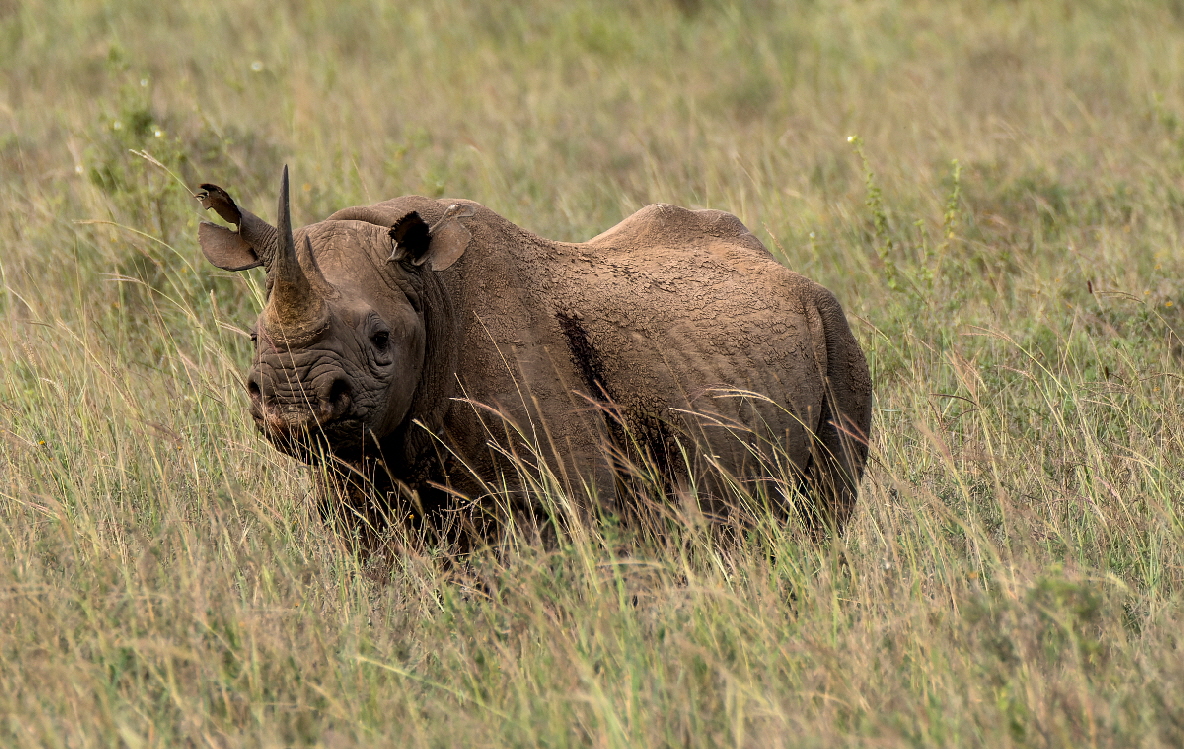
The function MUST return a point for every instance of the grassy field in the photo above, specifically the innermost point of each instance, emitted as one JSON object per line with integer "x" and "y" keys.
{"x": 1004, "y": 232}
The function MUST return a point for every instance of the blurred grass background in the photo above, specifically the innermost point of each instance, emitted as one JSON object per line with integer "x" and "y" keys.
{"x": 1004, "y": 233}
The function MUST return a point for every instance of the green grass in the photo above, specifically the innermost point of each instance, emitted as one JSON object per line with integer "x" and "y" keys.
{"x": 1014, "y": 574}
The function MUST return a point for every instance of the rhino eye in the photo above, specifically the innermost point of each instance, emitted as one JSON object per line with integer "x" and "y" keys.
{"x": 381, "y": 340}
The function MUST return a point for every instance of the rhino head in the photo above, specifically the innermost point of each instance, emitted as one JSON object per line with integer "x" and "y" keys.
{"x": 339, "y": 353}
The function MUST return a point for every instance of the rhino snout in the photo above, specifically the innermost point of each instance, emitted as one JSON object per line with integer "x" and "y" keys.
{"x": 320, "y": 403}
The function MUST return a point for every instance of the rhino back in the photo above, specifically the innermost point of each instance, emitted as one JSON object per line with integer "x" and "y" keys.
{"x": 693, "y": 327}
{"x": 673, "y": 311}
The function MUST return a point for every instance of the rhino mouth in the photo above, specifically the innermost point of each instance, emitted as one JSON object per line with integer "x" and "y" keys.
{"x": 342, "y": 438}
{"x": 305, "y": 418}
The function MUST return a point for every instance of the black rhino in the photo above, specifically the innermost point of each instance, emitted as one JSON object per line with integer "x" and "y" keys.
{"x": 414, "y": 344}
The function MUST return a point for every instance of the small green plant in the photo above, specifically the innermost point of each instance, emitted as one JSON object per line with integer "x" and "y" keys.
{"x": 918, "y": 277}
{"x": 884, "y": 245}
{"x": 951, "y": 220}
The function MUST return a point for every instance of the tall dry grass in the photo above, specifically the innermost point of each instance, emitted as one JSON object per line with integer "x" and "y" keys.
{"x": 1013, "y": 573}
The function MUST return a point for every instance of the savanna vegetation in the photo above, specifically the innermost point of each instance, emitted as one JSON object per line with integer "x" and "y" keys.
{"x": 993, "y": 189}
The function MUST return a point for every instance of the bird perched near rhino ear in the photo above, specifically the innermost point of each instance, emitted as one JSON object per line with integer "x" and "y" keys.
{"x": 447, "y": 238}
{"x": 212, "y": 196}
{"x": 252, "y": 245}
{"x": 410, "y": 237}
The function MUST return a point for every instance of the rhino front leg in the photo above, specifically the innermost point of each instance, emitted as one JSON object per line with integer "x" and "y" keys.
{"x": 354, "y": 508}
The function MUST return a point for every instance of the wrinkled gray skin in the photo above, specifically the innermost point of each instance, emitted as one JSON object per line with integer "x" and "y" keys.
{"x": 394, "y": 333}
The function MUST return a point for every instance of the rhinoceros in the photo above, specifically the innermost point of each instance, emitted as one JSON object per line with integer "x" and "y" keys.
{"x": 426, "y": 349}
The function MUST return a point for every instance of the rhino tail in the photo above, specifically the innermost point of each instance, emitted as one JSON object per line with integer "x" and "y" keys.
{"x": 839, "y": 450}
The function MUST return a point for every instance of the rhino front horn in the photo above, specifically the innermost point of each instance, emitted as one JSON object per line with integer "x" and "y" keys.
{"x": 296, "y": 310}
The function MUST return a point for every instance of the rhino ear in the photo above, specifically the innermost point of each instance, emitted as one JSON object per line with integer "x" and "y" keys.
{"x": 450, "y": 237}
{"x": 225, "y": 248}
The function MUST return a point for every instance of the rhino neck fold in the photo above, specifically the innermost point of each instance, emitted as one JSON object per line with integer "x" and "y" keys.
{"x": 415, "y": 439}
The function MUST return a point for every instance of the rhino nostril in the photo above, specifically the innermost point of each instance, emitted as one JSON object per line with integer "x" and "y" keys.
{"x": 336, "y": 399}
{"x": 256, "y": 395}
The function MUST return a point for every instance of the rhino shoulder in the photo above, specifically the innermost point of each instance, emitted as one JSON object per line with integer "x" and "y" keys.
{"x": 664, "y": 225}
